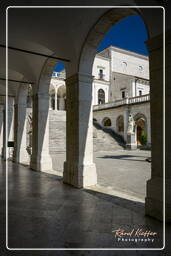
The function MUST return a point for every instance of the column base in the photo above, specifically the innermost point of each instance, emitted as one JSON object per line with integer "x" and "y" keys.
{"x": 22, "y": 158}
{"x": 80, "y": 176}
{"x": 154, "y": 198}
{"x": 131, "y": 144}
{"x": 43, "y": 163}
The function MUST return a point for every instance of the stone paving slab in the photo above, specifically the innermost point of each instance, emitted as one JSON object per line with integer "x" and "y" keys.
{"x": 43, "y": 212}
{"x": 123, "y": 173}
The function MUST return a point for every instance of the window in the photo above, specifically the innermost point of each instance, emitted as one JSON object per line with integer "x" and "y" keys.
{"x": 140, "y": 68}
{"x": 140, "y": 93}
{"x": 101, "y": 75}
{"x": 106, "y": 122}
{"x": 124, "y": 64}
{"x": 123, "y": 94}
{"x": 101, "y": 96}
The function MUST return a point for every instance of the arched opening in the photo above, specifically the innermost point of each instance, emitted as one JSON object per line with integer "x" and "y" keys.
{"x": 107, "y": 122}
{"x": 141, "y": 129}
{"x": 123, "y": 73}
{"x": 120, "y": 124}
{"x": 101, "y": 96}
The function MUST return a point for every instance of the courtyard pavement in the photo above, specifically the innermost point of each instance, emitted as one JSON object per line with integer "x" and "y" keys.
{"x": 45, "y": 213}
{"x": 123, "y": 173}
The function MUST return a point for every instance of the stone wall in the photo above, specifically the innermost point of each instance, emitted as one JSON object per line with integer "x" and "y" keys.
{"x": 114, "y": 113}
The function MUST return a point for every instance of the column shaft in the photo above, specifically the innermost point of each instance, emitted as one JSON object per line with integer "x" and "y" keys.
{"x": 1, "y": 127}
{"x": 20, "y": 134}
{"x": 154, "y": 197}
{"x": 40, "y": 158}
{"x": 79, "y": 169}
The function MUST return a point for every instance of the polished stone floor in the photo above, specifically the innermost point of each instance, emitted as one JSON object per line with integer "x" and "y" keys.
{"x": 45, "y": 213}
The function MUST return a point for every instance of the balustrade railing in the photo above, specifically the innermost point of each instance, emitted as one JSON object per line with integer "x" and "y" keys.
{"x": 125, "y": 101}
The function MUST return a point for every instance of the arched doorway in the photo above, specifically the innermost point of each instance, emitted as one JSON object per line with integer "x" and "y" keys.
{"x": 141, "y": 129}
{"x": 120, "y": 124}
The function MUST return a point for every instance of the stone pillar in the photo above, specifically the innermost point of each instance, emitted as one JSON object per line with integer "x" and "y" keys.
{"x": 126, "y": 114}
{"x": 61, "y": 103}
{"x": 40, "y": 158}
{"x": 8, "y": 135}
{"x": 1, "y": 127}
{"x": 79, "y": 169}
{"x": 154, "y": 196}
{"x": 56, "y": 107}
{"x": 20, "y": 132}
{"x": 50, "y": 102}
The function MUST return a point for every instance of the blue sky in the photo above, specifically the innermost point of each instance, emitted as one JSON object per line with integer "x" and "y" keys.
{"x": 130, "y": 34}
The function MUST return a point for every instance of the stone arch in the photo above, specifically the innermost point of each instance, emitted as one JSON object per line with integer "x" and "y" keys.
{"x": 107, "y": 122}
{"x": 97, "y": 32}
{"x": 45, "y": 77}
{"x": 101, "y": 96}
{"x": 120, "y": 124}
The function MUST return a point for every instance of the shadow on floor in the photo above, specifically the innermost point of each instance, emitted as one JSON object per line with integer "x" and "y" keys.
{"x": 123, "y": 157}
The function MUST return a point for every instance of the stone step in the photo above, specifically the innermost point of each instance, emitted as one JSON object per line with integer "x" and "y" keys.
{"x": 103, "y": 139}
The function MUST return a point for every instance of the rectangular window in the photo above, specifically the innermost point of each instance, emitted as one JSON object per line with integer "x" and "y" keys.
{"x": 140, "y": 93}
{"x": 123, "y": 94}
{"x": 101, "y": 75}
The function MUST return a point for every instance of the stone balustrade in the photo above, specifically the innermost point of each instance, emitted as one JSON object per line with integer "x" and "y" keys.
{"x": 126, "y": 101}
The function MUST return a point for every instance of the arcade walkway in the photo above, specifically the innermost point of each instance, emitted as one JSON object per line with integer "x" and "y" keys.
{"x": 45, "y": 213}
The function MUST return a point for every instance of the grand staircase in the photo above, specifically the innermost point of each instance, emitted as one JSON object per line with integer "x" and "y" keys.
{"x": 104, "y": 139}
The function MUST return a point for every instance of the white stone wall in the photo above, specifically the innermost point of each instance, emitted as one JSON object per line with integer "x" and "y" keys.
{"x": 129, "y": 63}
{"x": 97, "y": 85}
{"x": 120, "y": 71}
{"x": 114, "y": 113}
{"x": 101, "y": 63}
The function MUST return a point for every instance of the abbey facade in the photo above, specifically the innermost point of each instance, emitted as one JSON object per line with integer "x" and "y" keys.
{"x": 120, "y": 88}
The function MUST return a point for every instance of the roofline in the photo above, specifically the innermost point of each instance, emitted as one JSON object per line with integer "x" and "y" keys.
{"x": 118, "y": 49}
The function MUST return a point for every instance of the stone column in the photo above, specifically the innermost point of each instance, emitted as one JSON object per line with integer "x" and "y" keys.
{"x": 79, "y": 169}
{"x": 1, "y": 127}
{"x": 56, "y": 108}
{"x": 20, "y": 133}
{"x": 154, "y": 197}
{"x": 61, "y": 103}
{"x": 9, "y": 134}
{"x": 50, "y": 102}
{"x": 40, "y": 158}
{"x": 126, "y": 114}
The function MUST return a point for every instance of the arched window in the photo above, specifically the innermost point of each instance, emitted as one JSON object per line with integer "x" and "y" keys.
{"x": 101, "y": 96}
{"x": 120, "y": 124}
{"x": 106, "y": 122}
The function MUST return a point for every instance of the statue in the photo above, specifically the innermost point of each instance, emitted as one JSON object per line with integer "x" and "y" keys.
{"x": 131, "y": 125}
